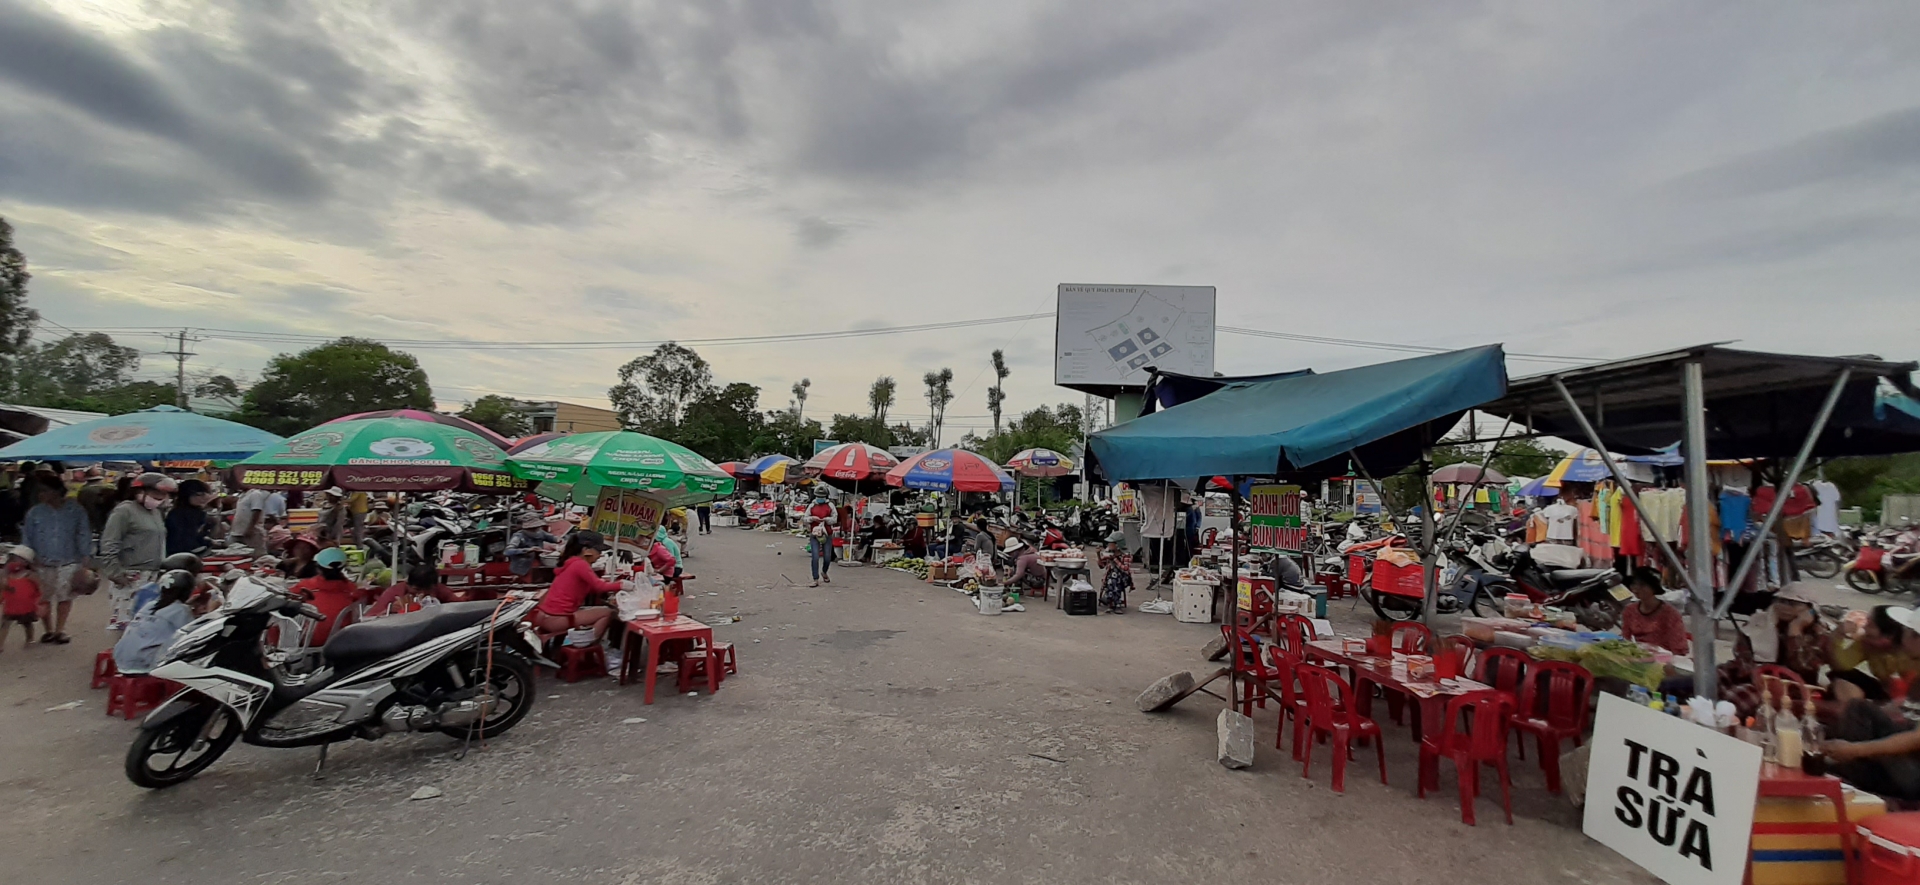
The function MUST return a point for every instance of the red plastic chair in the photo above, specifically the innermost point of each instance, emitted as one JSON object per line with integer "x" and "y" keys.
{"x": 1555, "y": 714}
{"x": 1330, "y": 713}
{"x": 1253, "y": 673}
{"x": 1464, "y": 646}
{"x": 1413, "y": 639}
{"x": 1484, "y": 742}
{"x": 1502, "y": 668}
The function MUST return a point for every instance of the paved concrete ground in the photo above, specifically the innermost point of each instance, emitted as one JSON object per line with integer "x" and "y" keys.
{"x": 879, "y": 731}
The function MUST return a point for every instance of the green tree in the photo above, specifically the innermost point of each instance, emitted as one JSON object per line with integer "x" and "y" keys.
{"x": 880, "y": 397}
{"x": 1863, "y": 482}
{"x": 784, "y": 432}
{"x": 861, "y": 428}
{"x": 498, "y": 414}
{"x": 723, "y": 424}
{"x": 220, "y": 387}
{"x": 996, "y": 396}
{"x": 16, "y": 318}
{"x": 74, "y": 367}
{"x": 342, "y": 377}
{"x": 1056, "y": 428}
{"x": 654, "y": 390}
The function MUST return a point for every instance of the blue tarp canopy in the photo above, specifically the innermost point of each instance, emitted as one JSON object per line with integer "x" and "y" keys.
{"x": 1304, "y": 424}
{"x": 159, "y": 433}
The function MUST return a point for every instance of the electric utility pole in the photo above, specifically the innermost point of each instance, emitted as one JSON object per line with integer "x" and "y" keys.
{"x": 180, "y": 354}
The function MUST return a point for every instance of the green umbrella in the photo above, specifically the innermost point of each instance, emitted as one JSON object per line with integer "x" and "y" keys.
{"x": 382, "y": 455}
{"x": 620, "y": 459}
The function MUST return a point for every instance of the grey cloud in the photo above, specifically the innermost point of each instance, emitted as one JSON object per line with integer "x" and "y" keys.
{"x": 43, "y": 54}
{"x": 1886, "y": 143}
{"x": 815, "y": 232}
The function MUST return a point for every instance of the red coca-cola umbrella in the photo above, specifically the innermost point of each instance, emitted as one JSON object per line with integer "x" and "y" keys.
{"x": 854, "y": 467}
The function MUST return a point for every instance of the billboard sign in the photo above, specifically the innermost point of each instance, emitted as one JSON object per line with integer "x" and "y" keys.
{"x": 1105, "y": 337}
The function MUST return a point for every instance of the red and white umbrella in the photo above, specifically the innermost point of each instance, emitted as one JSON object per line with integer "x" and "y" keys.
{"x": 1040, "y": 462}
{"x": 851, "y": 461}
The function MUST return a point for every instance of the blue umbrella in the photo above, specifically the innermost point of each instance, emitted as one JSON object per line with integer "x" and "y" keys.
{"x": 1539, "y": 489}
{"x": 159, "y": 433}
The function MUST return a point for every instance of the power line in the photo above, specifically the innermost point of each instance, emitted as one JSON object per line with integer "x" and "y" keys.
{"x": 1383, "y": 345}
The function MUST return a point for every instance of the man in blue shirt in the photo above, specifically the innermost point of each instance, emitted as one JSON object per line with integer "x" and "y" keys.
{"x": 58, "y": 530}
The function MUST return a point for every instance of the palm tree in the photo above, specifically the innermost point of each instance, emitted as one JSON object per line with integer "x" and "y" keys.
{"x": 880, "y": 397}
{"x": 800, "y": 398}
{"x": 995, "y": 395}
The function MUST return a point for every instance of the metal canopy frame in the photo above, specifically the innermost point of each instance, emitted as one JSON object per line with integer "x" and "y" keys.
{"x": 1680, "y": 383}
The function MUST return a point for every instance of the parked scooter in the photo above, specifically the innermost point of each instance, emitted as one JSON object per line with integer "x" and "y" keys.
{"x": 462, "y": 669}
{"x": 1874, "y": 569}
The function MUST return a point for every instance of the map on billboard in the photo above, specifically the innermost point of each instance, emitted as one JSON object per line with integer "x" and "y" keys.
{"x": 1107, "y": 336}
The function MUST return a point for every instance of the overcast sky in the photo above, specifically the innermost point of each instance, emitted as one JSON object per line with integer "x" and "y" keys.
{"x": 1589, "y": 179}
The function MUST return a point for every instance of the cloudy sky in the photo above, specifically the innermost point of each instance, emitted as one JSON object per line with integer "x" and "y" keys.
{"x": 1586, "y": 179}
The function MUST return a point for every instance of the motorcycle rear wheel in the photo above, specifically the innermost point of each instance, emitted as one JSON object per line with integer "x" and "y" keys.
{"x": 1821, "y": 564}
{"x": 1865, "y": 581}
{"x": 512, "y": 680}
{"x": 193, "y": 741}
{"x": 1397, "y": 608}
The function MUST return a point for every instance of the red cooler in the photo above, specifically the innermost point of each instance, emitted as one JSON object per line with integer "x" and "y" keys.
{"x": 1890, "y": 849}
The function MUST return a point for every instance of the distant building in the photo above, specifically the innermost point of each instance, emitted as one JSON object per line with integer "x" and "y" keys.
{"x": 553, "y": 415}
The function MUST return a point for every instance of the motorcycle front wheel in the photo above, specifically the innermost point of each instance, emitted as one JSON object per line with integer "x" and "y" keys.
{"x": 512, "y": 679}
{"x": 177, "y": 750}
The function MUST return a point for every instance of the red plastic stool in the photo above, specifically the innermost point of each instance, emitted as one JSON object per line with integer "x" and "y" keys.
{"x": 103, "y": 669}
{"x": 579, "y": 662}
{"x": 133, "y": 696}
{"x": 729, "y": 665}
{"x": 693, "y": 669}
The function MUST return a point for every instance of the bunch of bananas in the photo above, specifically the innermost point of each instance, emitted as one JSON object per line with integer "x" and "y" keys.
{"x": 917, "y": 566}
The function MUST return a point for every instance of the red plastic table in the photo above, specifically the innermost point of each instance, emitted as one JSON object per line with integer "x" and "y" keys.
{"x": 1430, "y": 693}
{"x": 654, "y": 632}
{"x": 1776, "y": 780}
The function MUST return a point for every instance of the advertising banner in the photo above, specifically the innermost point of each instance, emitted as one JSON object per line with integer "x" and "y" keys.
{"x": 628, "y": 517}
{"x": 1274, "y": 522}
{"x": 1672, "y": 796}
{"x": 1106, "y": 337}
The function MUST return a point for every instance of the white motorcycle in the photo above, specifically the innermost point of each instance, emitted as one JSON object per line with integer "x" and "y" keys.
{"x": 463, "y": 669}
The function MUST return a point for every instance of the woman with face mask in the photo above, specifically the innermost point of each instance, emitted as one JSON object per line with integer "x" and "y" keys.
{"x": 133, "y": 543}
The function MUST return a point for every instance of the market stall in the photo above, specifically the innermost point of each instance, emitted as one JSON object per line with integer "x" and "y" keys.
{"x": 162, "y": 433}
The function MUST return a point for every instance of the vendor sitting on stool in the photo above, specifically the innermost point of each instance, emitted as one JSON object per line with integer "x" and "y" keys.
{"x": 1878, "y": 745}
{"x": 1873, "y": 642}
{"x": 564, "y": 607}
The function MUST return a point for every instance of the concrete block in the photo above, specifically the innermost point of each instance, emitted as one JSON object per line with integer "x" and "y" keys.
{"x": 1216, "y": 648}
{"x": 1236, "y": 739}
{"x": 1164, "y": 693}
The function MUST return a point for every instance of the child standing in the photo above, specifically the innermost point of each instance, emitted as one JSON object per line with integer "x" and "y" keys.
{"x": 21, "y": 596}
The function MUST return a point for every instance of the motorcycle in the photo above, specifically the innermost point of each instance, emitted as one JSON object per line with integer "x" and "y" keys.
{"x": 1595, "y": 595}
{"x": 1824, "y": 556}
{"x": 460, "y": 669}
{"x": 1874, "y": 568}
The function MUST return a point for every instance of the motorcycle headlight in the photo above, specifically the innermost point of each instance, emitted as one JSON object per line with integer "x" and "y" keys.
{"x": 194, "y": 640}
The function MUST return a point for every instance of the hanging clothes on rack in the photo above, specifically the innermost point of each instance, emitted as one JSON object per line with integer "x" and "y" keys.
{"x": 1593, "y": 539}
{"x": 1826, "y": 520}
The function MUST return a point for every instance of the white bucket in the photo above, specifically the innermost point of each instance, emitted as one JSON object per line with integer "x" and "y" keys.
{"x": 580, "y": 636}
{"x": 992, "y": 600}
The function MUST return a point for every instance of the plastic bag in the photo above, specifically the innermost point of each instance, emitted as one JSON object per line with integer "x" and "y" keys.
{"x": 636, "y": 599}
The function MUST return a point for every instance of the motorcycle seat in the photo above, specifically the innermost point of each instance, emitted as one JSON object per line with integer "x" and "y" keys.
{"x": 368, "y": 641}
{"x": 1570, "y": 576}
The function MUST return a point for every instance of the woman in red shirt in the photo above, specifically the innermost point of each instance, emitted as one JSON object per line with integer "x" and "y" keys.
{"x": 330, "y": 591}
{"x": 1649, "y": 619}
{"x": 564, "y": 607}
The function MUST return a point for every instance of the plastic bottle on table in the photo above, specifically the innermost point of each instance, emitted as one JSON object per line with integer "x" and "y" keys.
{"x": 1787, "y": 739}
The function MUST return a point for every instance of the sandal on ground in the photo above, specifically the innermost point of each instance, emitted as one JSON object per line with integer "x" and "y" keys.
{"x": 61, "y": 639}
{"x": 814, "y": 584}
